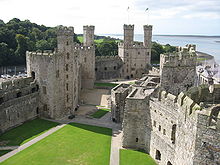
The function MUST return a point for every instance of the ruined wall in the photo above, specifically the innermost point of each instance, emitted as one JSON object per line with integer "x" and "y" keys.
{"x": 107, "y": 67}
{"x": 19, "y": 100}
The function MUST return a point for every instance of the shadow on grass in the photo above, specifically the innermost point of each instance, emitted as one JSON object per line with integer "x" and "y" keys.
{"x": 26, "y": 132}
{"x": 99, "y": 113}
{"x": 96, "y": 129}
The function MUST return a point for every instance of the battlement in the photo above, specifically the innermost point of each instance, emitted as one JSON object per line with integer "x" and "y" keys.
{"x": 138, "y": 45}
{"x": 89, "y": 27}
{"x": 148, "y": 27}
{"x": 185, "y": 56}
{"x": 44, "y": 53}
{"x": 15, "y": 83}
{"x": 63, "y": 30}
{"x": 128, "y": 27}
{"x": 80, "y": 47}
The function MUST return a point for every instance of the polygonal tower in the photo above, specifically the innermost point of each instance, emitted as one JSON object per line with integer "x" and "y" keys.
{"x": 128, "y": 34}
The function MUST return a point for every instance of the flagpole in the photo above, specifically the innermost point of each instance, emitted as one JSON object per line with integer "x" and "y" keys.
{"x": 148, "y": 20}
{"x": 128, "y": 14}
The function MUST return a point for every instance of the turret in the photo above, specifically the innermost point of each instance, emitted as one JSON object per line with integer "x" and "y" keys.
{"x": 88, "y": 35}
{"x": 147, "y": 35}
{"x": 64, "y": 37}
{"x": 128, "y": 34}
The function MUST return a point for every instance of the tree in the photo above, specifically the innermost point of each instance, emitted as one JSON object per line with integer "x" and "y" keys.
{"x": 42, "y": 45}
{"x": 156, "y": 50}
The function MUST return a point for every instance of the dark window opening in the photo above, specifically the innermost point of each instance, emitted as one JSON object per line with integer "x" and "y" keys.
{"x": 33, "y": 90}
{"x": 67, "y": 55}
{"x": 96, "y": 69}
{"x": 105, "y": 68}
{"x": 115, "y": 67}
{"x": 158, "y": 155}
{"x": 18, "y": 115}
{"x": 67, "y": 86}
{"x": 33, "y": 75}
{"x": 85, "y": 59}
{"x": 138, "y": 52}
{"x": 37, "y": 110}
{"x": 132, "y": 76}
{"x": 1, "y": 100}
{"x": 128, "y": 77}
{"x": 173, "y": 134}
{"x": 67, "y": 67}
{"x": 18, "y": 94}
{"x": 67, "y": 76}
{"x": 164, "y": 131}
{"x": 136, "y": 139}
{"x": 67, "y": 43}
{"x": 169, "y": 163}
{"x": 159, "y": 127}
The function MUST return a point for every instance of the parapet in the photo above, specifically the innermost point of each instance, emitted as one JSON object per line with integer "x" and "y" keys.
{"x": 128, "y": 27}
{"x": 89, "y": 27}
{"x": 107, "y": 58}
{"x": 15, "y": 83}
{"x": 148, "y": 27}
{"x": 63, "y": 30}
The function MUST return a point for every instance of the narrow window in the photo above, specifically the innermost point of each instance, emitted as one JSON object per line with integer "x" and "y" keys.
{"x": 67, "y": 76}
{"x": 67, "y": 98}
{"x": 33, "y": 90}
{"x": 67, "y": 43}
{"x": 67, "y": 55}
{"x": 57, "y": 74}
{"x": 136, "y": 139}
{"x": 214, "y": 116}
{"x": 138, "y": 53}
{"x": 33, "y": 75}
{"x": 96, "y": 69}
{"x": 67, "y": 86}
{"x": 37, "y": 110}
{"x": 173, "y": 134}
{"x": 45, "y": 107}
{"x": 67, "y": 67}
{"x": 155, "y": 124}
{"x": 105, "y": 68}
{"x": 115, "y": 67}
{"x": 158, "y": 155}
{"x": 85, "y": 59}
{"x": 159, "y": 127}
{"x": 44, "y": 90}
{"x": 164, "y": 131}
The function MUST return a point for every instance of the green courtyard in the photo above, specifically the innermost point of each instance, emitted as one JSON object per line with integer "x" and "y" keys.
{"x": 76, "y": 144}
{"x": 131, "y": 157}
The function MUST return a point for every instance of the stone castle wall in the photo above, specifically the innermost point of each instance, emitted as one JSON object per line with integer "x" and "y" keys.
{"x": 19, "y": 100}
{"x": 108, "y": 67}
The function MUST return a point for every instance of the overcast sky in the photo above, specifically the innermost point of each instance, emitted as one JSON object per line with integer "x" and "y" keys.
{"x": 108, "y": 16}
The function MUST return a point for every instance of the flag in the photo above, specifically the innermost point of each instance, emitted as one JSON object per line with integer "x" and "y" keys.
{"x": 128, "y": 8}
{"x": 146, "y": 9}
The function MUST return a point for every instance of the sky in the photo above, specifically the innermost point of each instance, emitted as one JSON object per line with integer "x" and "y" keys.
{"x": 194, "y": 17}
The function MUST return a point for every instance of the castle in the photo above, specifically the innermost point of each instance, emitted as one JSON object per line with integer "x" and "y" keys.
{"x": 164, "y": 113}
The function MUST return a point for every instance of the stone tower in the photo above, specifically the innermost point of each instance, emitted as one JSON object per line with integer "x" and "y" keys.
{"x": 87, "y": 55}
{"x": 135, "y": 55}
{"x": 64, "y": 38}
{"x": 178, "y": 70}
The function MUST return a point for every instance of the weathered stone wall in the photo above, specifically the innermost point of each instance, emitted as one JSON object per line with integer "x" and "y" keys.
{"x": 19, "y": 100}
{"x": 178, "y": 70}
{"x": 108, "y": 67}
{"x": 118, "y": 96}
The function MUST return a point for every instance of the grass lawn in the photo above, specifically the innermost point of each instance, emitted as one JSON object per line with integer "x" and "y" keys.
{"x": 4, "y": 152}
{"x": 26, "y": 132}
{"x": 76, "y": 144}
{"x": 101, "y": 112}
{"x": 105, "y": 85}
{"x": 131, "y": 157}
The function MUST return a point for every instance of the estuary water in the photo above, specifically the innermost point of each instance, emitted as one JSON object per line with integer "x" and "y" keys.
{"x": 206, "y": 44}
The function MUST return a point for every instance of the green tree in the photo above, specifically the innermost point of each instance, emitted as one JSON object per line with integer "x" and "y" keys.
{"x": 42, "y": 45}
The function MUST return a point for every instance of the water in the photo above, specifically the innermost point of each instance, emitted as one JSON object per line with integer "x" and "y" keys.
{"x": 203, "y": 43}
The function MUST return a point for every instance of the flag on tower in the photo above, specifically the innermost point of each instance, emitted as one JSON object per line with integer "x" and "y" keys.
{"x": 146, "y": 9}
{"x": 128, "y": 8}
